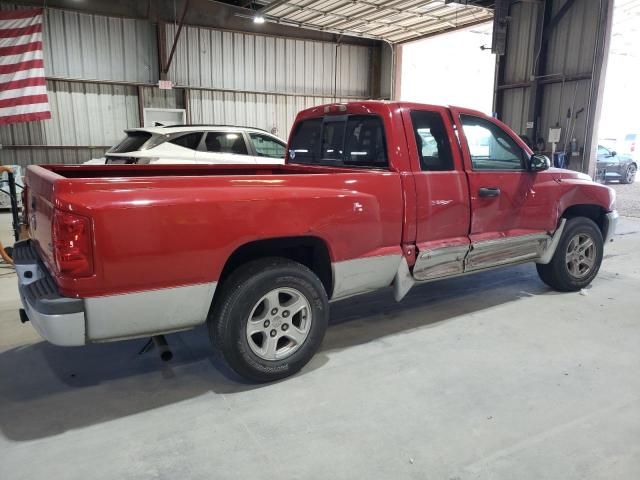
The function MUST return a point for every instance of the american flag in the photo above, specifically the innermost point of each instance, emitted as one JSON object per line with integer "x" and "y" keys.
{"x": 23, "y": 89}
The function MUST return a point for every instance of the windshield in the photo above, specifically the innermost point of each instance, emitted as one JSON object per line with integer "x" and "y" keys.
{"x": 131, "y": 143}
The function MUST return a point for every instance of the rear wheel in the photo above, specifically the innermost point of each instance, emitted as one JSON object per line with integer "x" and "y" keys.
{"x": 577, "y": 258}
{"x": 269, "y": 319}
{"x": 630, "y": 174}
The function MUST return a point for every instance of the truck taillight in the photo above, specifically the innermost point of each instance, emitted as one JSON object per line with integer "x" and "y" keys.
{"x": 72, "y": 244}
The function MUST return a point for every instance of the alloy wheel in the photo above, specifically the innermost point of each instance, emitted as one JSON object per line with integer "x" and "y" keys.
{"x": 581, "y": 256}
{"x": 279, "y": 324}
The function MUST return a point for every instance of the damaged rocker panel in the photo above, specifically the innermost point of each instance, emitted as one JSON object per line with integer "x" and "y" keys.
{"x": 459, "y": 260}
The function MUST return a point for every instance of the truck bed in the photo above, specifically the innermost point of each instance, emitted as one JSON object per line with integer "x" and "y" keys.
{"x": 161, "y": 226}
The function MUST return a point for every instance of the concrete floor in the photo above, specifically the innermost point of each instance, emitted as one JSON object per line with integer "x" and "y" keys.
{"x": 491, "y": 376}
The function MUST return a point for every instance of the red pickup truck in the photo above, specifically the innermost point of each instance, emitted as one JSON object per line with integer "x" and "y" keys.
{"x": 372, "y": 195}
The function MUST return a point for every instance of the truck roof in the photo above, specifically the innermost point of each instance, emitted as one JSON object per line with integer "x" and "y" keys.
{"x": 364, "y": 106}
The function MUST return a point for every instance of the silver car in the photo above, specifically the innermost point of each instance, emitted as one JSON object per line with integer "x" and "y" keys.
{"x": 612, "y": 166}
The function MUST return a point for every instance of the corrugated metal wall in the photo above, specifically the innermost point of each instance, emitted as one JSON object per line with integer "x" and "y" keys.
{"x": 258, "y": 63}
{"x": 567, "y": 73}
{"x": 519, "y": 65}
{"x": 227, "y": 77}
{"x": 270, "y": 112}
{"x": 83, "y": 114}
{"x": 95, "y": 47}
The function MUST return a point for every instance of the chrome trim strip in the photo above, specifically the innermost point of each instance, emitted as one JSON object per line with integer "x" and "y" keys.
{"x": 440, "y": 262}
{"x": 503, "y": 251}
{"x": 550, "y": 249}
{"x": 149, "y": 312}
{"x": 362, "y": 275}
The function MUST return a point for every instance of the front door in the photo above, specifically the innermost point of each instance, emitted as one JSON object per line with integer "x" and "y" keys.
{"x": 442, "y": 210}
{"x": 510, "y": 214}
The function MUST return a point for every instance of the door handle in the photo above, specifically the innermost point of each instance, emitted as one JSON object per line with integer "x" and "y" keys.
{"x": 489, "y": 192}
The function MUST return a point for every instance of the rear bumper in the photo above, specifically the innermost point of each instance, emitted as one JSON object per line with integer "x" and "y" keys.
{"x": 58, "y": 319}
{"x": 610, "y": 224}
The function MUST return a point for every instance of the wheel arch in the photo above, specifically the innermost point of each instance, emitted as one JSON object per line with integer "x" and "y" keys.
{"x": 311, "y": 251}
{"x": 592, "y": 211}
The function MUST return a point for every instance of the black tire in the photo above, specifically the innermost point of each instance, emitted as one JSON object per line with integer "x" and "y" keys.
{"x": 556, "y": 273}
{"x": 629, "y": 175}
{"x": 234, "y": 305}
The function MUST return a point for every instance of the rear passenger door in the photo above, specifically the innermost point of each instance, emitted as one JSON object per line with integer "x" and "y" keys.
{"x": 224, "y": 147}
{"x": 443, "y": 206}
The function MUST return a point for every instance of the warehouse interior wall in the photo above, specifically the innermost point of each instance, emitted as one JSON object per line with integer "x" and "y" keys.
{"x": 102, "y": 72}
{"x": 552, "y": 73}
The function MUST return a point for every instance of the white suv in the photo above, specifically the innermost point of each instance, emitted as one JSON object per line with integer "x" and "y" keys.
{"x": 196, "y": 144}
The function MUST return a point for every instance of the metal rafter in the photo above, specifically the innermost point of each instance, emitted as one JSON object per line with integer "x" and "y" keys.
{"x": 344, "y": 19}
{"x": 394, "y": 21}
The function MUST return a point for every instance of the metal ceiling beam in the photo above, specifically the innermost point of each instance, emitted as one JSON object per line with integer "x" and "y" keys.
{"x": 371, "y": 22}
{"x": 380, "y": 9}
{"x": 165, "y": 67}
{"x": 273, "y": 5}
{"x": 440, "y": 32}
{"x": 343, "y": 19}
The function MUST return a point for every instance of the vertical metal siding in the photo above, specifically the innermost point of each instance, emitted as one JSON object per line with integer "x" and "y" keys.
{"x": 386, "y": 69}
{"x": 153, "y": 97}
{"x": 521, "y": 40}
{"x": 573, "y": 41}
{"x": 570, "y": 52}
{"x": 78, "y": 45}
{"x": 208, "y": 58}
{"x": 85, "y": 114}
{"x": 516, "y": 102}
{"x": 40, "y": 156}
{"x": 266, "y": 111}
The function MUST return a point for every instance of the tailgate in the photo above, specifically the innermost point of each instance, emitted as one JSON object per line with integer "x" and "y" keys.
{"x": 40, "y": 200}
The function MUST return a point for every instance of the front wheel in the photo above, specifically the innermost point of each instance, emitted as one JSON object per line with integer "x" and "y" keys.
{"x": 577, "y": 258}
{"x": 269, "y": 319}
{"x": 630, "y": 174}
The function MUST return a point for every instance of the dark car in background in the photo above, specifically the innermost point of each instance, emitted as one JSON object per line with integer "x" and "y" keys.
{"x": 612, "y": 166}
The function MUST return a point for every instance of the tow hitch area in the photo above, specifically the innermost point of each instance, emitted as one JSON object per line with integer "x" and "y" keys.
{"x": 160, "y": 342}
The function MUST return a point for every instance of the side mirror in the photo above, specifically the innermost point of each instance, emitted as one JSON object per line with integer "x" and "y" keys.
{"x": 613, "y": 153}
{"x": 539, "y": 162}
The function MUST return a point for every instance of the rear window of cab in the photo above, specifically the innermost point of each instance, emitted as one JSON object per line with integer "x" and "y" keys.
{"x": 346, "y": 140}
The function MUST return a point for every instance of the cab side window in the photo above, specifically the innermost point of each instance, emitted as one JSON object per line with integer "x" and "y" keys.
{"x": 434, "y": 150}
{"x": 490, "y": 147}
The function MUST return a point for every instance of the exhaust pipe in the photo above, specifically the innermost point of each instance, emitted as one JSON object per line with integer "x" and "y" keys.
{"x": 163, "y": 348}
